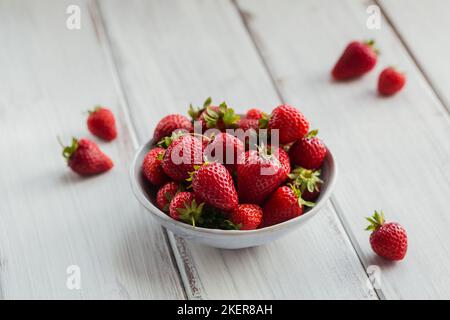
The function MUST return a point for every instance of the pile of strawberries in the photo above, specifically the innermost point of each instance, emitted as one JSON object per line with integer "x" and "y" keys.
{"x": 257, "y": 186}
{"x": 260, "y": 185}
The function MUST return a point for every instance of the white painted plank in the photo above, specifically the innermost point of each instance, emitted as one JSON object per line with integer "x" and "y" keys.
{"x": 424, "y": 26}
{"x": 393, "y": 152}
{"x": 49, "y": 217}
{"x": 184, "y": 51}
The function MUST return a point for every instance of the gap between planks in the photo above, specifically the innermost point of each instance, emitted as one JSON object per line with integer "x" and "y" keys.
{"x": 96, "y": 16}
{"x": 244, "y": 18}
{"x": 412, "y": 56}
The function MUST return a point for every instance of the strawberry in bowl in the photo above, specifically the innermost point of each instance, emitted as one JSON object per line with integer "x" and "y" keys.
{"x": 227, "y": 187}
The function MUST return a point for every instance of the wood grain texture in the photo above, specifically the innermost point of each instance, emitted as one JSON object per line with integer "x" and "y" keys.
{"x": 51, "y": 218}
{"x": 171, "y": 53}
{"x": 424, "y": 28}
{"x": 393, "y": 152}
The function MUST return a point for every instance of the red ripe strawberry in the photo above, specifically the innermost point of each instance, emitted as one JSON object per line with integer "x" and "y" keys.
{"x": 284, "y": 204}
{"x": 152, "y": 168}
{"x": 290, "y": 122}
{"x": 101, "y": 123}
{"x": 181, "y": 157}
{"x": 390, "y": 81}
{"x": 246, "y": 216}
{"x": 246, "y": 124}
{"x": 165, "y": 195}
{"x": 224, "y": 149}
{"x": 260, "y": 172}
{"x": 254, "y": 114}
{"x": 213, "y": 184}
{"x": 85, "y": 157}
{"x": 357, "y": 59}
{"x": 308, "y": 152}
{"x": 184, "y": 207}
{"x": 169, "y": 124}
{"x": 388, "y": 240}
{"x": 307, "y": 181}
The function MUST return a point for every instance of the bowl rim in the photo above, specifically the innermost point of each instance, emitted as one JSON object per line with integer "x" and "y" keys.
{"x": 143, "y": 199}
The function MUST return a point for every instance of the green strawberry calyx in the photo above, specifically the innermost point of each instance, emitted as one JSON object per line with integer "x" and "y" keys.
{"x": 298, "y": 194}
{"x": 191, "y": 213}
{"x": 229, "y": 225}
{"x": 306, "y": 179}
{"x": 376, "y": 221}
{"x": 226, "y": 114}
{"x": 95, "y": 109}
{"x": 68, "y": 151}
{"x": 371, "y": 44}
{"x": 194, "y": 112}
{"x": 312, "y": 134}
{"x": 264, "y": 121}
{"x": 192, "y": 173}
{"x": 167, "y": 141}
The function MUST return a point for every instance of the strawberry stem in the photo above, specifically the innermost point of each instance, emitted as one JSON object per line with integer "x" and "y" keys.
{"x": 68, "y": 151}
{"x": 376, "y": 221}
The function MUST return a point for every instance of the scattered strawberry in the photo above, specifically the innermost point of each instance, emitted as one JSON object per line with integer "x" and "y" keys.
{"x": 165, "y": 195}
{"x": 85, "y": 157}
{"x": 213, "y": 184}
{"x": 101, "y": 123}
{"x": 254, "y": 114}
{"x": 246, "y": 216}
{"x": 169, "y": 124}
{"x": 308, "y": 152}
{"x": 388, "y": 240}
{"x": 307, "y": 181}
{"x": 292, "y": 125}
{"x": 152, "y": 168}
{"x": 225, "y": 149}
{"x": 284, "y": 204}
{"x": 357, "y": 59}
{"x": 390, "y": 81}
{"x": 181, "y": 157}
{"x": 184, "y": 207}
{"x": 260, "y": 172}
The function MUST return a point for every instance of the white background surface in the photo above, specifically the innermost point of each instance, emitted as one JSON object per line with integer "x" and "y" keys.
{"x": 145, "y": 59}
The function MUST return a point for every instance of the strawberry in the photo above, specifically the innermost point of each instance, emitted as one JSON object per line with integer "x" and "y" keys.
{"x": 290, "y": 122}
{"x": 225, "y": 149}
{"x": 246, "y": 216}
{"x": 213, "y": 184}
{"x": 169, "y": 124}
{"x": 181, "y": 156}
{"x": 184, "y": 207}
{"x": 101, "y": 123}
{"x": 284, "y": 204}
{"x": 85, "y": 157}
{"x": 254, "y": 114}
{"x": 357, "y": 59}
{"x": 165, "y": 195}
{"x": 308, "y": 152}
{"x": 388, "y": 240}
{"x": 247, "y": 124}
{"x": 390, "y": 81}
{"x": 152, "y": 169}
{"x": 260, "y": 172}
{"x": 307, "y": 181}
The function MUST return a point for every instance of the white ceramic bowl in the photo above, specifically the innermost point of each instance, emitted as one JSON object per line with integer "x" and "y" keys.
{"x": 227, "y": 239}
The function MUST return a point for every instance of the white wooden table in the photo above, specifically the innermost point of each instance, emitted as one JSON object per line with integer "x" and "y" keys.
{"x": 145, "y": 59}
